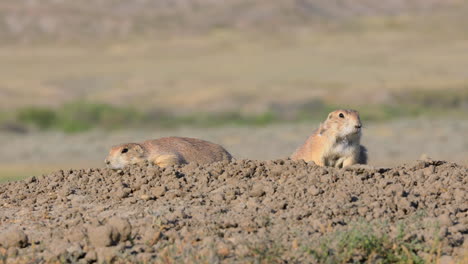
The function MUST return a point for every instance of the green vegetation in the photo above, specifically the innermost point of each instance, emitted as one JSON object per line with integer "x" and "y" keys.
{"x": 364, "y": 243}
{"x": 167, "y": 120}
{"x": 79, "y": 116}
{"x": 82, "y": 116}
{"x": 438, "y": 99}
{"x": 41, "y": 117}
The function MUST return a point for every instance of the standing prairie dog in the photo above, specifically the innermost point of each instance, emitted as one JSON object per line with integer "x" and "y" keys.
{"x": 336, "y": 142}
{"x": 165, "y": 152}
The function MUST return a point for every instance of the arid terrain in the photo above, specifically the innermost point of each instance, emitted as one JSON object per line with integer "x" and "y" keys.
{"x": 267, "y": 210}
{"x": 344, "y": 52}
{"x": 244, "y": 211}
{"x": 77, "y": 77}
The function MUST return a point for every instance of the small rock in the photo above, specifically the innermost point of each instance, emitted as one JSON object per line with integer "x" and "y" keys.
{"x": 223, "y": 250}
{"x": 277, "y": 170}
{"x": 151, "y": 236}
{"x": 91, "y": 256}
{"x": 363, "y": 210}
{"x": 257, "y": 191}
{"x": 242, "y": 250}
{"x": 145, "y": 197}
{"x": 103, "y": 236}
{"x": 443, "y": 232}
{"x": 445, "y": 220}
{"x": 76, "y": 235}
{"x": 122, "y": 193}
{"x": 75, "y": 249}
{"x": 446, "y": 196}
{"x": 60, "y": 247}
{"x": 106, "y": 254}
{"x": 458, "y": 228}
{"x": 314, "y": 190}
{"x": 459, "y": 195}
{"x": 122, "y": 226}
{"x": 13, "y": 238}
{"x": 218, "y": 198}
{"x": 429, "y": 170}
{"x": 159, "y": 191}
{"x": 31, "y": 180}
{"x": 295, "y": 244}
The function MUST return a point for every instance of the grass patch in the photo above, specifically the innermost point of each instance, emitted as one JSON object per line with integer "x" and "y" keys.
{"x": 81, "y": 116}
{"x": 437, "y": 99}
{"x": 364, "y": 243}
{"x": 43, "y": 118}
{"x": 168, "y": 120}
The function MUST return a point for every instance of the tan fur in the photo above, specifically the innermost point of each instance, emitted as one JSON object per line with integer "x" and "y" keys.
{"x": 336, "y": 142}
{"x": 165, "y": 152}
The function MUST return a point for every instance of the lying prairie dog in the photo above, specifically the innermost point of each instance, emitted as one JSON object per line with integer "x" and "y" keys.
{"x": 336, "y": 143}
{"x": 165, "y": 152}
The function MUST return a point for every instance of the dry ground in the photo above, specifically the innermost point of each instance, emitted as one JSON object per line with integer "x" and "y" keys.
{"x": 239, "y": 212}
{"x": 254, "y": 209}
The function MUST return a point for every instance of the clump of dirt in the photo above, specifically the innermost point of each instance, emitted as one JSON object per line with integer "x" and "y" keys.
{"x": 278, "y": 211}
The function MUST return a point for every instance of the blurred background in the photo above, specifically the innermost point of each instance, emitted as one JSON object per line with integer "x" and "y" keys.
{"x": 256, "y": 76}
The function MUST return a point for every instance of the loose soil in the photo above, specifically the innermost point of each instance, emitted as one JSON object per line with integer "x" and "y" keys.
{"x": 244, "y": 211}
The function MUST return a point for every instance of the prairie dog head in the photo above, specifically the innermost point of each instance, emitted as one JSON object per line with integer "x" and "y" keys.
{"x": 342, "y": 123}
{"x": 125, "y": 154}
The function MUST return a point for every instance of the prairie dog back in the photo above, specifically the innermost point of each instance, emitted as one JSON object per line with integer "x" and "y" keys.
{"x": 188, "y": 149}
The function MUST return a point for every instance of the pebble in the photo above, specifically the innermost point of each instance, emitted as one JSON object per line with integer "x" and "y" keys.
{"x": 13, "y": 238}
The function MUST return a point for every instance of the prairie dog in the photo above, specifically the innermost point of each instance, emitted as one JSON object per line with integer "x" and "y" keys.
{"x": 165, "y": 152}
{"x": 336, "y": 143}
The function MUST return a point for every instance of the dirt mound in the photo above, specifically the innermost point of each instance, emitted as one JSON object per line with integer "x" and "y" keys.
{"x": 273, "y": 211}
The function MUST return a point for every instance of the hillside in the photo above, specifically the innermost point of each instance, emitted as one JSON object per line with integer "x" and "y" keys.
{"x": 77, "y": 20}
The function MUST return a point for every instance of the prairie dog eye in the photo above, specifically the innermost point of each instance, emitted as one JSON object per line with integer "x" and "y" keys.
{"x": 341, "y": 115}
{"x": 125, "y": 150}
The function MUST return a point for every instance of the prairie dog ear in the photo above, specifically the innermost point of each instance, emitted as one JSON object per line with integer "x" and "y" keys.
{"x": 139, "y": 149}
